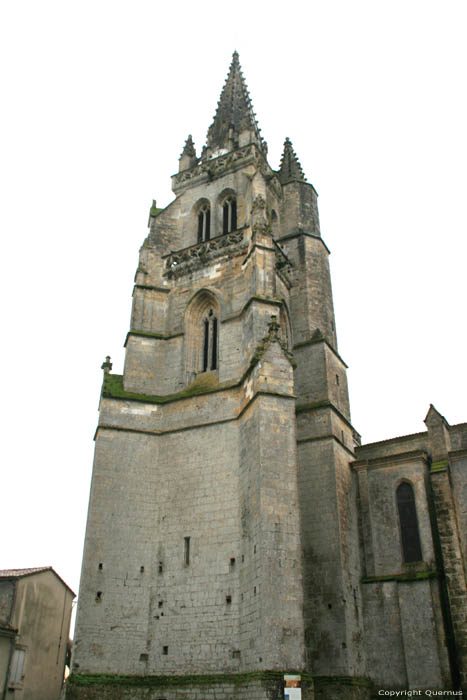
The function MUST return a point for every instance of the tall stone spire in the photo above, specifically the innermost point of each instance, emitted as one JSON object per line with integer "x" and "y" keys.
{"x": 290, "y": 169}
{"x": 234, "y": 114}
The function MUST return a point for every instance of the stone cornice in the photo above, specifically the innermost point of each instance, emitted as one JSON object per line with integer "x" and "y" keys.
{"x": 300, "y": 232}
{"x": 191, "y": 426}
{"x": 152, "y": 288}
{"x": 390, "y": 460}
{"x": 330, "y": 436}
{"x": 457, "y": 454}
{"x": 155, "y": 336}
{"x": 315, "y": 341}
{"x": 326, "y": 403}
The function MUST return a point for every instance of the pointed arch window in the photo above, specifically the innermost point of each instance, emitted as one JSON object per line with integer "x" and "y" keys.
{"x": 210, "y": 342}
{"x": 202, "y": 335}
{"x": 410, "y": 536}
{"x": 229, "y": 215}
{"x": 204, "y": 223}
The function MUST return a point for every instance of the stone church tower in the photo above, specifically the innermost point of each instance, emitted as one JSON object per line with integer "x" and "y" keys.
{"x": 229, "y": 516}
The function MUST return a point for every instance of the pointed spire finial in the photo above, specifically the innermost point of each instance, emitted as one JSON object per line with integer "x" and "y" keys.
{"x": 188, "y": 157}
{"x": 189, "y": 148}
{"x": 234, "y": 113}
{"x": 290, "y": 168}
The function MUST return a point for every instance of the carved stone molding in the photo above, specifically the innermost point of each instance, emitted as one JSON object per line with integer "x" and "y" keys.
{"x": 215, "y": 166}
{"x": 197, "y": 256}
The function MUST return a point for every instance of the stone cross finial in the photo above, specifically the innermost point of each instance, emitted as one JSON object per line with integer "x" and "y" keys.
{"x": 107, "y": 365}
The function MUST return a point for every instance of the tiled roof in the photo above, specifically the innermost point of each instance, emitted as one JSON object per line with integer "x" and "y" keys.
{"x": 19, "y": 573}
{"x": 16, "y": 573}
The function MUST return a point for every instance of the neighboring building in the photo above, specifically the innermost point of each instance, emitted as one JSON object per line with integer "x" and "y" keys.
{"x": 35, "y": 612}
{"x": 237, "y": 530}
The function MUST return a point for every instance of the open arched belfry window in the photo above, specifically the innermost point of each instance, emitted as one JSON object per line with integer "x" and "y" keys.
{"x": 229, "y": 215}
{"x": 410, "y": 537}
{"x": 204, "y": 223}
{"x": 201, "y": 335}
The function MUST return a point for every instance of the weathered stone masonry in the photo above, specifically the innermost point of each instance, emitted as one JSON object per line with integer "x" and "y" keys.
{"x": 237, "y": 530}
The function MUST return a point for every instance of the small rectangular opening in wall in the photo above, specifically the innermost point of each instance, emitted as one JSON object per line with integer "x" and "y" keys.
{"x": 161, "y": 567}
{"x": 228, "y": 599}
{"x": 236, "y": 654}
{"x": 101, "y": 566}
{"x": 165, "y": 650}
{"x": 141, "y": 568}
{"x": 160, "y": 603}
{"x": 232, "y": 561}
{"x": 337, "y": 380}
{"x": 99, "y": 595}
{"x": 187, "y": 551}
{"x": 143, "y": 657}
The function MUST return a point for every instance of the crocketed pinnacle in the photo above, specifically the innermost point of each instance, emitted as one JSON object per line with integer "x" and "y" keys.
{"x": 290, "y": 168}
{"x": 189, "y": 148}
{"x": 234, "y": 111}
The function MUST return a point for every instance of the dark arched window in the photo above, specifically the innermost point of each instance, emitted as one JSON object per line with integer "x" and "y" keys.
{"x": 229, "y": 215}
{"x": 210, "y": 342}
{"x": 410, "y": 538}
{"x": 204, "y": 223}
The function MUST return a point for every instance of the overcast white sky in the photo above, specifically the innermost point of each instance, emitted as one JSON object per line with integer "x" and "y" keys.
{"x": 97, "y": 101}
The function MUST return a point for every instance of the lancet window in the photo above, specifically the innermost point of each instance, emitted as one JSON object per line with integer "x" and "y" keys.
{"x": 204, "y": 223}
{"x": 202, "y": 335}
{"x": 410, "y": 537}
{"x": 209, "y": 342}
{"x": 229, "y": 215}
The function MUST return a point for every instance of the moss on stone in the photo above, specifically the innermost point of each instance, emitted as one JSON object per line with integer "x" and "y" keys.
{"x": 440, "y": 466}
{"x": 96, "y": 679}
{"x": 112, "y": 388}
{"x": 343, "y": 680}
{"x": 402, "y": 578}
{"x": 147, "y": 334}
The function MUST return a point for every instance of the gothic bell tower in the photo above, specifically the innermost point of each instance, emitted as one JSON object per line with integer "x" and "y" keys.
{"x": 219, "y": 538}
